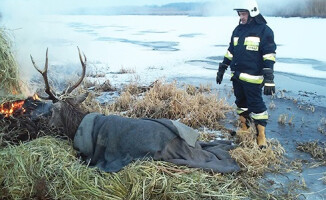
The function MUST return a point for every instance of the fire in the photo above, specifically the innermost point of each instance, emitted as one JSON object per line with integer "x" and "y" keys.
{"x": 8, "y": 109}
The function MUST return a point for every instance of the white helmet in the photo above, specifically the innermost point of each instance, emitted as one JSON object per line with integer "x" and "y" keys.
{"x": 249, "y": 5}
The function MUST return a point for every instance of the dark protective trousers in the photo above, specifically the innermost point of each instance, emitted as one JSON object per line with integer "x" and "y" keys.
{"x": 249, "y": 95}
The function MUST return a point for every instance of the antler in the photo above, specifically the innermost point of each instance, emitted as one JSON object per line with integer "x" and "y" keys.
{"x": 48, "y": 90}
{"x": 45, "y": 77}
{"x": 83, "y": 63}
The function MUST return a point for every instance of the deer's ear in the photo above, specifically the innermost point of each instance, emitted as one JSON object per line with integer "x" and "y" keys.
{"x": 78, "y": 99}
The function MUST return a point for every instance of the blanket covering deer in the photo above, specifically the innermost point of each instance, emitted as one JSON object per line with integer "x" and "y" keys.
{"x": 112, "y": 142}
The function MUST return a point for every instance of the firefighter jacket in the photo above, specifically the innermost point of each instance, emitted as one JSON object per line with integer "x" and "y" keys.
{"x": 251, "y": 53}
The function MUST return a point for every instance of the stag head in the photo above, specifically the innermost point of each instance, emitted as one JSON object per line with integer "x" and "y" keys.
{"x": 65, "y": 111}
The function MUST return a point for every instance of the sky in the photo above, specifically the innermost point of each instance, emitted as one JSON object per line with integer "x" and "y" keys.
{"x": 44, "y": 6}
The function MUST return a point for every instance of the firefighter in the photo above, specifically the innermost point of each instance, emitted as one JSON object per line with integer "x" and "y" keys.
{"x": 251, "y": 57}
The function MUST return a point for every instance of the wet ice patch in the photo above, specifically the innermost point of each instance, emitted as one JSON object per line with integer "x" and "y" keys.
{"x": 210, "y": 62}
{"x": 221, "y": 45}
{"x": 207, "y": 64}
{"x": 85, "y": 28}
{"x": 108, "y": 97}
{"x": 216, "y": 58}
{"x": 152, "y": 31}
{"x": 190, "y": 35}
{"x": 300, "y": 69}
{"x": 316, "y": 64}
{"x": 154, "y": 45}
{"x": 80, "y": 25}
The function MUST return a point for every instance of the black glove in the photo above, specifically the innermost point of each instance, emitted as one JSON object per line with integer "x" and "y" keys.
{"x": 221, "y": 69}
{"x": 269, "y": 85}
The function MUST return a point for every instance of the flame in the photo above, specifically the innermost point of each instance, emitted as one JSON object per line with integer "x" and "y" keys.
{"x": 8, "y": 109}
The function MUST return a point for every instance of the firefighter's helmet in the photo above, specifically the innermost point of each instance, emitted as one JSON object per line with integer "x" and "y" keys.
{"x": 247, "y": 5}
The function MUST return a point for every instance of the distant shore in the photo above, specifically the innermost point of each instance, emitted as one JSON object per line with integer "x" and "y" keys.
{"x": 305, "y": 9}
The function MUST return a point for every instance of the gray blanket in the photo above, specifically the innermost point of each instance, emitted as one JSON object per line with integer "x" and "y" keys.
{"x": 112, "y": 142}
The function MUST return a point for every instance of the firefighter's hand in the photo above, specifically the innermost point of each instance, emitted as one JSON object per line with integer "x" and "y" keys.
{"x": 219, "y": 77}
{"x": 221, "y": 69}
{"x": 269, "y": 88}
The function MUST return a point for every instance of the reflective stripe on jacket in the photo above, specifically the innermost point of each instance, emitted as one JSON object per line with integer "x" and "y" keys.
{"x": 252, "y": 49}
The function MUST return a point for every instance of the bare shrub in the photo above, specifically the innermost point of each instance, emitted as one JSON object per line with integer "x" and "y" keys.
{"x": 316, "y": 8}
{"x": 104, "y": 87}
{"x": 126, "y": 71}
{"x": 272, "y": 105}
{"x": 316, "y": 149}
{"x": 322, "y": 126}
{"x": 310, "y": 8}
{"x": 282, "y": 119}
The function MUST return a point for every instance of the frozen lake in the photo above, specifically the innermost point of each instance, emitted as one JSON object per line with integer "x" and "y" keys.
{"x": 172, "y": 47}
{"x": 187, "y": 49}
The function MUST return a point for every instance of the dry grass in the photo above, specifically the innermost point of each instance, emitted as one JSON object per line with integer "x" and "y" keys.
{"x": 254, "y": 160}
{"x": 9, "y": 77}
{"x": 126, "y": 71}
{"x": 48, "y": 168}
{"x": 192, "y": 90}
{"x": 316, "y": 149}
{"x": 165, "y": 100}
{"x": 282, "y": 119}
{"x": 285, "y": 119}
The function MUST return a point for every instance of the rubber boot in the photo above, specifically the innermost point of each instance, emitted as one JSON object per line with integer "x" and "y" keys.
{"x": 261, "y": 138}
{"x": 243, "y": 123}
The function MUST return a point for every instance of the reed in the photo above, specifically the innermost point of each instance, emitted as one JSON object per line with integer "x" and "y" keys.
{"x": 9, "y": 76}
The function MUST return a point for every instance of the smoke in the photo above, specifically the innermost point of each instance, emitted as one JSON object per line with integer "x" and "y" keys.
{"x": 26, "y": 22}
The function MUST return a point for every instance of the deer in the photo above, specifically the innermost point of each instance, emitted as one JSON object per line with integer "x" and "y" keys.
{"x": 112, "y": 142}
{"x": 66, "y": 113}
